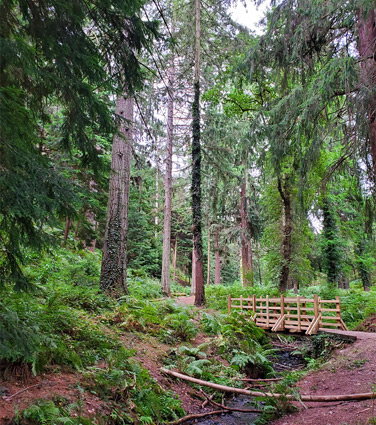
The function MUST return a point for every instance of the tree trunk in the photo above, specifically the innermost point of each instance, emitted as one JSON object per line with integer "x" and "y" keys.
{"x": 209, "y": 253}
{"x": 196, "y": 171}
{"x": 217, "y": 279}
{"x": 287, "y": 230}
{"x": 156, "y": 218}
{"x": 168, "y": 184}
{"x": 367, "y": 51}
{"x": 90, "y": 217}
{"x": 241, "y": 267}
{"x": 66, "y": 230}
{"x": 174, "y": 257}
{"x": 113, "y": 278}
{"x": 246, "y": 244}
{"x": 193, "y": 283}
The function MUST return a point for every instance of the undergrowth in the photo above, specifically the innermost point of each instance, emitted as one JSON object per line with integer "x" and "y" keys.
{"x": 67, "y": 323}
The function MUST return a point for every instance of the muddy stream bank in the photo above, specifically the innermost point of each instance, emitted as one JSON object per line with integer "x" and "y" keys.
{"x": 287, "y": 358}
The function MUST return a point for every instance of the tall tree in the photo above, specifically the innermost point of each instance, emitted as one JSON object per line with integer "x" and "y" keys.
{"x": 55, "y": 55}
{"x": 168, "y": 181}
{"x": 245, "y": 240}
{"x": 114, "y": 259}
{"x": 196, "y": 169}
{"x": 367, "y": 52}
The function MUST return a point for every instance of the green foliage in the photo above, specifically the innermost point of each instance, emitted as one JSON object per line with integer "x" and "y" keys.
{"x": 178, "y": 326}
{"x": 210, "y": 324}
{"x": 47, "y": 412}
{"x": 144, "y": 250}
{"x": 253, "y": 364}
{"x": 193, "y": 361}
{"x": 217, "y": 295}
{"x": 17, "y": 342}
{"x": 331, "y": 245}
{"x": 277, "y": 407}
{"x": 51, "y": 61}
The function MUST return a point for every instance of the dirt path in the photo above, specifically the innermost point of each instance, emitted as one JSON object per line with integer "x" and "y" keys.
{"x": 351, "y": 370}
{"x": 185, "y": 300}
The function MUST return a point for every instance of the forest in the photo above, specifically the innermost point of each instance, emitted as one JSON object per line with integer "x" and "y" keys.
{"x": 159, "y": 156}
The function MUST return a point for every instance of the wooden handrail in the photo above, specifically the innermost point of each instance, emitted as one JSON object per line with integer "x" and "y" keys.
{"x": 291, "y": 313}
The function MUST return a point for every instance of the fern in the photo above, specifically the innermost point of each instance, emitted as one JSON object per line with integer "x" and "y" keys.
{"x": 195, "y": 367}
{"x": 196, "y": 352}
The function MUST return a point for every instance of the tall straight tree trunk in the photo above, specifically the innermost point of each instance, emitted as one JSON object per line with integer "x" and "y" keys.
{"x": 196, "y": 171}
{"x": 367, "y": 51}
{"x": 156, "y": 218}
{"x": 174, "y": 257}
{"x": 209, "y": 254}
{"x": 217, "y": 275}
{"x": 193, "y": 283}
{"x": 246, "y": 246}
{"x": 166, "y": 256}
{"x": 113, "y": 278}
{"x": 66, "y": 230}
{"x": 90, "y": 217}
{"x": 287, "y": 230}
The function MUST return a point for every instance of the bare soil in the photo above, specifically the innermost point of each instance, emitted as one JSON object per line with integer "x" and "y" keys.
{"x": 350, "y": 370}
{"x": 17, "y": 394}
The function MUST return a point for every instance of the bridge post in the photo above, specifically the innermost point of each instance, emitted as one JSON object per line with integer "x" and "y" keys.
{"x": 316, "y": 306}
{"x": 229, "y": 304}
{"x": 298, "y": 313}
{"x": 338, "y": 312}
{"x": 282, "y": 310}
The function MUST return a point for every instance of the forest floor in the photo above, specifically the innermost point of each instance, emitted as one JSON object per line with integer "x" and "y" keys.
{"x": 350, "y": 370}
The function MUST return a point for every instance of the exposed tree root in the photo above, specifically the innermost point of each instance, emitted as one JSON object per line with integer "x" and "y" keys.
{"x": 261, "y": 380}
{"x": 196, "y": 416}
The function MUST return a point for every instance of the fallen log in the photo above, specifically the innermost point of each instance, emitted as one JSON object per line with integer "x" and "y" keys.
{"x": 196, "y": 416}
{"x": 260, "y": 380}
{"x": 303, "y": 397}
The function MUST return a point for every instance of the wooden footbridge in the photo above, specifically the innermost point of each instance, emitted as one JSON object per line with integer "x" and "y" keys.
{"x": 296, "y": 314}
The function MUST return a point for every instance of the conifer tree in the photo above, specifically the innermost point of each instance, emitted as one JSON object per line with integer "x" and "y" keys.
{"x": 56, "y": 55}
{"x": 196, "y": 169}
{"x": 114, "y": 258}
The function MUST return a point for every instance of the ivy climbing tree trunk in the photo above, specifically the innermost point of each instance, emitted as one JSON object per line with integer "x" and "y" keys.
{"x": 331, "y": 244}
{"x": 287, "y": 230}
{"x": 196, "y": 171}
{"x": 166, "y": 256}
{"x": 209, "y": 254}
{"x": 113, "y": 278}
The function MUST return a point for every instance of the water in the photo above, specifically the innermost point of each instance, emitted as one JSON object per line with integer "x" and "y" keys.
{"x": 233, "y": 418}
{"x": 284, "y": 361}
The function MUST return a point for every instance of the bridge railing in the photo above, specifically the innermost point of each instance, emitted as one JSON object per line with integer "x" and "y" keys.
{"x": 296, "y": 314}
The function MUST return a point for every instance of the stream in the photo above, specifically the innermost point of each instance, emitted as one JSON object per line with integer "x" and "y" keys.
{"x": 283, "y": 361}
{"x": 233, "y": 418}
